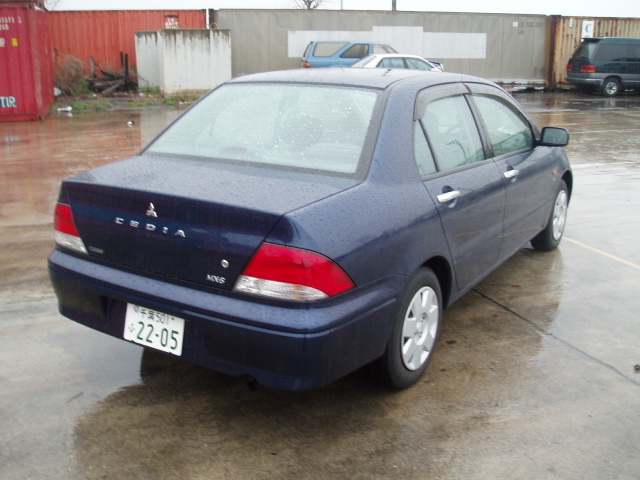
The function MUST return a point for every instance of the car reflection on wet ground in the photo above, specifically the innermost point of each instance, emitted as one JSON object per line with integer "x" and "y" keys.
{"x": 533, "y": 377}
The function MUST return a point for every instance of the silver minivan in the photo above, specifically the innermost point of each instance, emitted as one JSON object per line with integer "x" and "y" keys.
{"x": 608, "y": 65}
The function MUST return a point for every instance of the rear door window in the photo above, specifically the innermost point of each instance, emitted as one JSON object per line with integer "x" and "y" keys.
{"x": 452, "y": 133}
{"x": 359, "y": 50}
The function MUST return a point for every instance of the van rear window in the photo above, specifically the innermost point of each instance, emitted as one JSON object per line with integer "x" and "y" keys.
{"x": 584, "y": 51}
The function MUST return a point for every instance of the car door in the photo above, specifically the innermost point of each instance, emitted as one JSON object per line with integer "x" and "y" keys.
{"x": 465, "y": 185}
{"x": 526, "y": 170}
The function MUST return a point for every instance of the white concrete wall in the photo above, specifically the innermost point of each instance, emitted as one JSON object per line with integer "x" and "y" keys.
{"x": 185, "y": 60}
{"x": 148, "y": 58}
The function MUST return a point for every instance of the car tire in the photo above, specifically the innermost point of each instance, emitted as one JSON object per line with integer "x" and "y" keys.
{"x": 549, "y": 238}
{"x": 610, "y": 87}
{"x": 415, "y": 332}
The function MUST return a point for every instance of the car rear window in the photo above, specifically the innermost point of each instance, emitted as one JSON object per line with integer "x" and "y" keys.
{"x": 327, "y": 49}
{"x": 280, "y": 125}
{"x": 419, "y": 64}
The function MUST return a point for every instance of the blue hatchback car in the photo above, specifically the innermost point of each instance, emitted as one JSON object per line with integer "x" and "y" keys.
{"x": 340, "y": 54}
{"x": 295, "y": 226}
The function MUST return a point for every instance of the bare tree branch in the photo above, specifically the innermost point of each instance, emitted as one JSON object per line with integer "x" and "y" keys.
{"x": 307, "y": 4}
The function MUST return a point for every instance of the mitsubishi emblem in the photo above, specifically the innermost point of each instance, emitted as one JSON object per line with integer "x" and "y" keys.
{"x": 151, "y": 211}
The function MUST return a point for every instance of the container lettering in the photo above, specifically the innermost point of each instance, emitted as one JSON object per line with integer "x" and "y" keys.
{"x": 8, "y": 102}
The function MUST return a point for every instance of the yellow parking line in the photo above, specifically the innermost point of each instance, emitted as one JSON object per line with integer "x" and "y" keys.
{"x": 601, "y": 252}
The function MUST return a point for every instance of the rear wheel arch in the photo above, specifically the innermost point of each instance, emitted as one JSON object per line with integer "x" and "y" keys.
{"x": 442, "y": 269}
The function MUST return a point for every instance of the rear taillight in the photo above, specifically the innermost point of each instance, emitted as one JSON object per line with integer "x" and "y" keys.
{"x": 289, "y": 273}
{"x": 307, "y": 65}
{"x": 569, "y": 67}
{"x": 66, "y": 233}
{"x": 588, "y": 69}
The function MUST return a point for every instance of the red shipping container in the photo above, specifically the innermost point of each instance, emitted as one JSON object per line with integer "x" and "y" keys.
{"x": 107, "y": 34}
{"x": 26, "y": 62}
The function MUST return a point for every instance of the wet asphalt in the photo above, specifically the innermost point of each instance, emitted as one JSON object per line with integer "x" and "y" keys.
{"x": 533, "y": 376}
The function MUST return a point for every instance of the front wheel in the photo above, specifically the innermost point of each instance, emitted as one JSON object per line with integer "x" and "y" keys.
{"x": 610, "y": 87}
{"x": 549, "y": 238}
{"x": 415, "y": 331}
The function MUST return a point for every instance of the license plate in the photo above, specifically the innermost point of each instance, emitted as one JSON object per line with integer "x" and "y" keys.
{"x": 154, "y": 329}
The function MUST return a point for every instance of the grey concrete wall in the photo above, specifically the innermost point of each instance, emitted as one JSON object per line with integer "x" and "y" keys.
{"x": 507, "y": 48}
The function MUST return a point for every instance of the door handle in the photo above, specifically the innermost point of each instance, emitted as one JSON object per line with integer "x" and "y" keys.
{"x": 511, "y": 173}
{"x": 448, "y": 196}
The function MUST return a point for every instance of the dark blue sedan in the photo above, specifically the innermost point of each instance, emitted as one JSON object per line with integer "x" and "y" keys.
{"x": 295, "y": 226}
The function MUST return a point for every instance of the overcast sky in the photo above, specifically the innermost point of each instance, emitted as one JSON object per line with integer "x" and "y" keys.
{"x": 580, "y": 8}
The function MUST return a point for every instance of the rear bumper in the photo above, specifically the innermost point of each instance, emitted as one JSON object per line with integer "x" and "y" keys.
{"x": 291, "y": 347}
{"x": 586, "y": 79}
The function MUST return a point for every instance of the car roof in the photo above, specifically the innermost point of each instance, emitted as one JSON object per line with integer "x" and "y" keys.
{"x": 356, "y": 77}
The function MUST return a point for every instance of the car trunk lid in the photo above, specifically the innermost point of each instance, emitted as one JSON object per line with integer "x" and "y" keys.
{"x": 191, "y": 221}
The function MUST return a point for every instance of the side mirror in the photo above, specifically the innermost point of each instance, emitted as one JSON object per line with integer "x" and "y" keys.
{"x": 554, "y": 137}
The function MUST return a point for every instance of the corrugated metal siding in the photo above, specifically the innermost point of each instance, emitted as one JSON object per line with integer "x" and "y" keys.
{"x": 567, "y": 34}
{"x": 26, "y": 73}
{"x": 105, "y": 34}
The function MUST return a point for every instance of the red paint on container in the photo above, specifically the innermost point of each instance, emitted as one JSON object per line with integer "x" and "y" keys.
{"x": 26, "y": 62}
